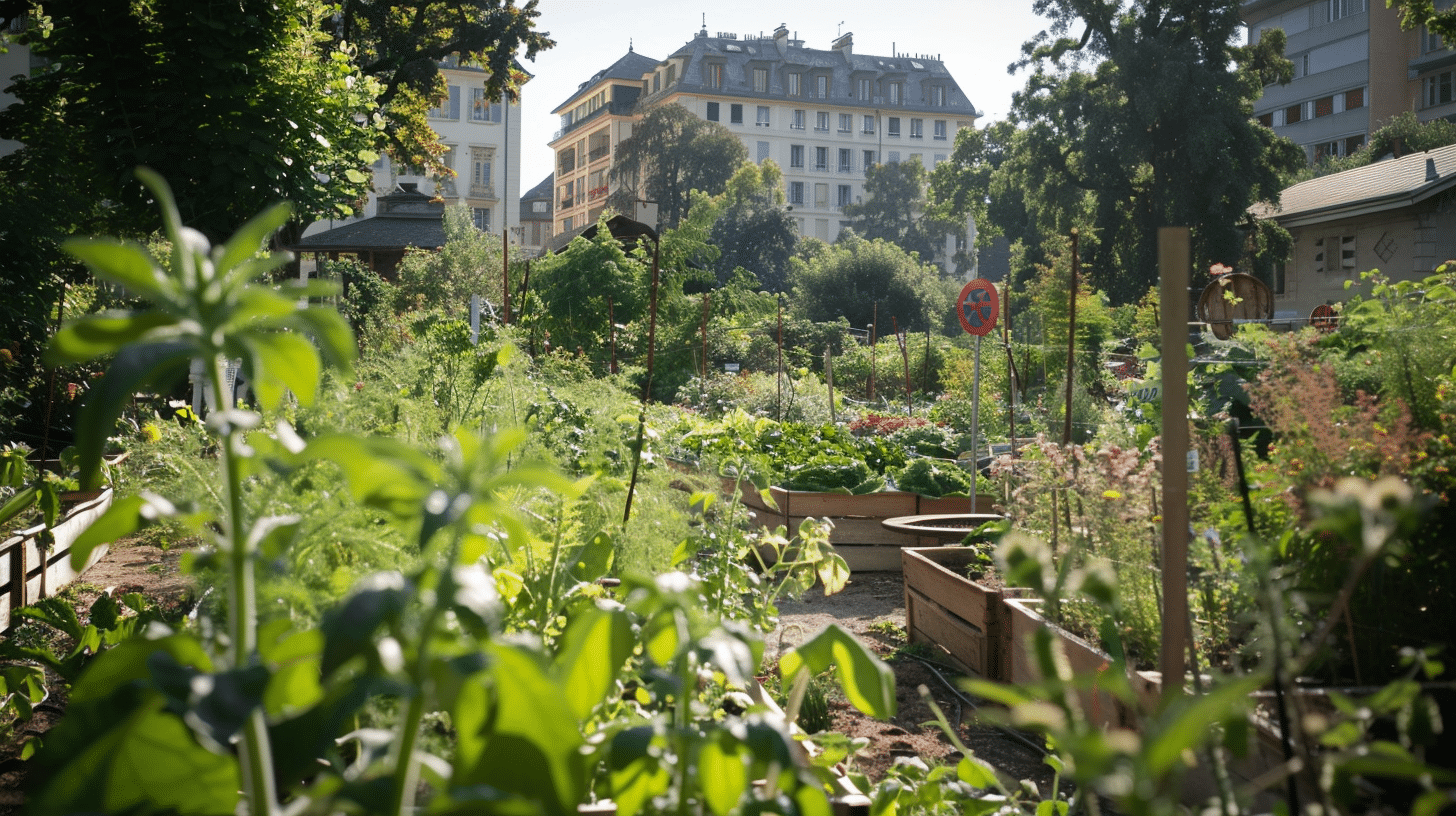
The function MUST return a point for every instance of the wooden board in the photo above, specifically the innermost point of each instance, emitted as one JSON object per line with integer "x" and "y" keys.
{"x": 24, "y": 579}
{"x": 962, "y": 643}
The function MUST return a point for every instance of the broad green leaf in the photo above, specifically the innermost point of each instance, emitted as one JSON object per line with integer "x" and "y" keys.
{"x": 335, "y": 338}
{"x": 1051, "y": 807}
{"x": 349, "y": 628}
{"x": 866, "y": 680}
{"x": 976, "y": 773}
{"x": 283, "y": 360}
{"x": 532, "y": 743}
{"x": 126, "y": 264}
{"x": 248, "y": 240}
{"x": 635, "y": 771}
{"x": 1187, "y": 728}
{"x": 833, "y": 572}
{"x": 92, "y": 336}
{"x": 149, "y": 760}
{"x": 722, "y": 773}
{"x": 593, "y": 649}
{"x": 135, "y": 368}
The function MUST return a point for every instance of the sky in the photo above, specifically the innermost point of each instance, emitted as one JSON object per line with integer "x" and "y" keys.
{"x": 977, "y": 39}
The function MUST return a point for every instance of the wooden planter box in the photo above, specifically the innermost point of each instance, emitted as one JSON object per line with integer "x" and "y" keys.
{"x": 858, "y": 535}
{"x": 959, "y": 617}
{"x": 28, "y": 573}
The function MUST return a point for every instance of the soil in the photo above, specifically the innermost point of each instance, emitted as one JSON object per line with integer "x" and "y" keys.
{"x": 872, "y": 607}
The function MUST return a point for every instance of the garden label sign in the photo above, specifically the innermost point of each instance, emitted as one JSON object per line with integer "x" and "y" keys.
{"x": 977, "y": 309}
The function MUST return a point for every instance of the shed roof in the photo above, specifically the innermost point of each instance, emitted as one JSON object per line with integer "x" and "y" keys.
{"x": 407, "y": 218}
{"x": 1386, "y": 185}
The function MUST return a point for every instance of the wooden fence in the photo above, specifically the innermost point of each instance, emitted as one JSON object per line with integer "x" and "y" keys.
{"x": 29, "y": 572}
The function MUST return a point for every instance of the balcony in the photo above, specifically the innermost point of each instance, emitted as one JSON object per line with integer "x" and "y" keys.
{"x": 568, "y": 203}
{"x": 565, "y": 167}
{"x": 596, "y": 192}
{"x": 599, "y": 153}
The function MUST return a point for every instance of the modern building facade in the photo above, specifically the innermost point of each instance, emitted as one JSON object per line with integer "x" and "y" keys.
{"x": 823, "y": 115}
{"x": 1354, "y": 70}
{"x": 594, "y": 120}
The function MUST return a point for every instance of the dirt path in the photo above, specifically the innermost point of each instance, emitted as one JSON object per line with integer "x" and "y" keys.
{"x": 872, "y": 607}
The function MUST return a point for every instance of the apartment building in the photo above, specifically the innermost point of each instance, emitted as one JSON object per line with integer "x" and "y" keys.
{"x": 594, "y": 120}
{"x": 1354, "y": 70}
{"x": 482, "y": 139}
{"x": 537, "y": 217}
{"x": 823, "y": 115}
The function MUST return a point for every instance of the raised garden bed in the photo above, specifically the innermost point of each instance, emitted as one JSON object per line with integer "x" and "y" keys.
{"x": 859, "y": 535}
{"x": 957, "y": 616}
{"x": 29, "y": 572}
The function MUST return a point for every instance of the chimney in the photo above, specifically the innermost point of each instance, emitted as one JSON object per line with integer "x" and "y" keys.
{"x": 781, "y": 39}
{"x": 1431, "y": 174}
{"x": 845, "y": 44}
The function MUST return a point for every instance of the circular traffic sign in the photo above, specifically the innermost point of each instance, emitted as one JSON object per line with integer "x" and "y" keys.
{"x": 1323, "y": 318}
{"x": 977, "y": 307}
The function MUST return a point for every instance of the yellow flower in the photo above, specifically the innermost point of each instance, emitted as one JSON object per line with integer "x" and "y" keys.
{"x": 151, "y": 433}
{"x": 1111, "y": 494}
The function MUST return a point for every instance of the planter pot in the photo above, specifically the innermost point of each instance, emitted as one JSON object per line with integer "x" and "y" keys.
{"x": 29, "y": 573}
{"x": 859, "y": 535}
{"x": 961, "y": 618}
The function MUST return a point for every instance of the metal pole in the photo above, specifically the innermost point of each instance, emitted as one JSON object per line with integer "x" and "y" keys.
{"x": 1173, "y": 267}
{"x": 647, "y": 385}
{"x": 975, "y": 422}
{"x": 874, "y": 319}
{"x": 779, "y": 413}
{"x": 829, "y": 379}
{"x": 505, "y": 277}
{"x": 1071, "y": 343}
{"x": 1010, "y": 367}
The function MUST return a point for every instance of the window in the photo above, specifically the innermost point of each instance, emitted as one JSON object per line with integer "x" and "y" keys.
{"x": 447, "y": 184}
{"x": 821, "y": 121}
{"x": 796, "y": 87}
{"x": 566, "y": 224}
{"x": 940, "y": 129}
{"x": 893, "y": 157}
{"x": 1293, "y": 114}
{"x": 844, "y": 195}
{"x": 1340, "y": 9}
{"x": 567, "y": 202}
{"x": 712, "y": 111}
{"x": 481, "y": 216}
{"x": 735, "y": 114}
{"x": 715, "y": 75}
{"x": 939, "y": 157}
{"x": 821, "y": 87}
{"x": 762, "y": 152}
{"x": 796, "y": 155}
{"x": 480, "y": 158}
{"x": 1334, "y": 254}
{"x": 821, "y": 195}
{"x": 896, "y": 92}
{"x": 1431, "y": 42}
{"x": 1438, "y": 89}
{"x": 540, "y": 206}
{"x": 869, "y": 124}
{"x": 482, "y": 109}
{"x": 1355, "y": 99}
{"x": 671, "y": 76}
{"x": 893, "y": 127}
{"x": 937, "y": 96}
{"x": 1354, "y": 143}
{"x": 798, "y": 123}
{"x": 1324, "y": 106}
{"x": 821, "y": 158}
{"x": 846, "y": 122}
{"x": 656, "y": 82}
{"x": 869, "y": 159}
{"x": 760, "y": 80}
{"x": 762, "y": 116}
{"x": 1267, "y": 120}
{"x": 449, "y": 107}
{"x": 917, "y": 128}
{"x": 866, "y": 89}
{"x": 844, "y": 160}
{"x": 796, "y": 192}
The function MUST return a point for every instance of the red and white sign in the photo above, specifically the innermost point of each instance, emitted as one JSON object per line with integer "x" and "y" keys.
{"x": 977, "y": 307}
{"x": 1323, "y": 318}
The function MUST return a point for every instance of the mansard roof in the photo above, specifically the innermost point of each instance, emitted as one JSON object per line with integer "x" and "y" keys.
{"x": 631, "y": 66}
{"x": 783, "y": 55}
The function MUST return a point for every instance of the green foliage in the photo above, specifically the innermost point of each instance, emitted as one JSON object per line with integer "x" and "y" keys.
{"x": 1401, "y": 135}
{"x": 893, "y": 209}
{"x": 753, "y": 230}
{"x": 1108, "y": 141}
{"x": 673, "y": 152}
{"x": 856, "y": 275}
{"x": 934, "y": 478}
{"x": 469, "y": 264}
{"x": 574, "y": 288}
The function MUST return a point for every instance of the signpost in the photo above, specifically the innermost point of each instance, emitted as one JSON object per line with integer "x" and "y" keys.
{"x": 1323, "y": 318}
{"x": 977, "y": 307}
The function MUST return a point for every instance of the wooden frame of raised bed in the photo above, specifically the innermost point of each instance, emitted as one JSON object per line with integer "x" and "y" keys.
{"x": 962, "y": 619}
{"x": 858, "y": 535}
{"x": 29, "y": 572}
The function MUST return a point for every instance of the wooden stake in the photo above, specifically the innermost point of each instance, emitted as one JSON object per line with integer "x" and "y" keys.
{"x": 1173, "y": 267}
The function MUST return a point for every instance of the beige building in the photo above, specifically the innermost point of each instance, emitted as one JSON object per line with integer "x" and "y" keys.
{"x": 1354, "y": 70}
{"x": 594, "y": 120}
{"x": 1397, "y": 215}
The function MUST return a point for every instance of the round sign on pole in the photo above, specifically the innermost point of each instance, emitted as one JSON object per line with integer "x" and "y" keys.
{"x": 977, "y": 307}
{"x": 1323, "y": 318}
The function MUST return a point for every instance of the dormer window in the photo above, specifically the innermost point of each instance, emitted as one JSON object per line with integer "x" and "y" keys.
{"x": 896, "y": 92}
{"x": 937, "y": 96}
{"x": 760, "y": 80}
{"x": 821, "y": 86}
{"x": 715, "y": 75}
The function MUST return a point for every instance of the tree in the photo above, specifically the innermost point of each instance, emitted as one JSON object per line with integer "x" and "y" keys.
{"x": 855, "y": 275}
{"x": 1157, "y": 133}
{"x": 585, "y": 288}
{"x": 1423, "y": 13}
{"x": 893, "y": 208}
{"x": 960, "y": 187}
{"x": 1403, "y": 134}
{"x": 671, "y": 153}
{"x": 753, "y": 230}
